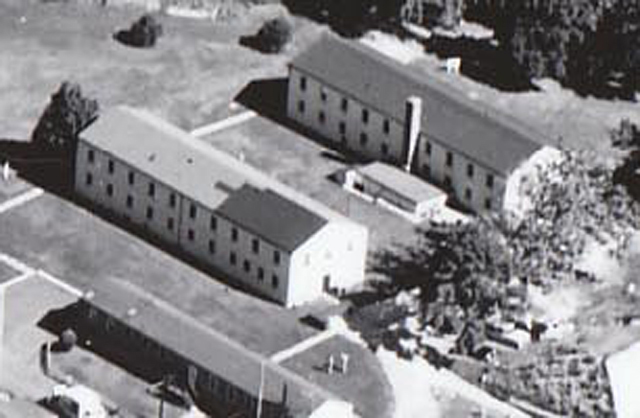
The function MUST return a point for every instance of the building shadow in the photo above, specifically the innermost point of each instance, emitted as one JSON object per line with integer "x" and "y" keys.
{"x": 482, "y": 61}
{"x": 268, "y": 98}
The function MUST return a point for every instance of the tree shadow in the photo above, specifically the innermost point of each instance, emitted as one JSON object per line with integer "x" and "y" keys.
{"x": 627, "y": 174}
{"x": 268, "y": 98}
{"x": 483, "y": 61}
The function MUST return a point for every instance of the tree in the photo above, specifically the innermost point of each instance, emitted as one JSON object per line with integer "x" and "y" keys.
{"x": 274, "y": 35}
{"x": 67, "y": 340}
{"x": 66, "y": 115}
{"x": 144, "y": 32}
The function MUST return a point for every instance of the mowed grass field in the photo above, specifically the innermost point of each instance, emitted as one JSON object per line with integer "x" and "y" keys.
{"x": 189, "y": 77}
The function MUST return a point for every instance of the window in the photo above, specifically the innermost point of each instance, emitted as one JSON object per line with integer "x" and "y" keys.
{"x": 303, "y": 83}
{"x": 131, "y": 178}
{"x": 91, "y": 156}
{"x": 322, "y": 117}
{"x": 386, "y": 126}
{"x": 255, "y": 245}
{"x": 109, "y": 190}
{"x": 470, "y": 170}
{"x": 193, "y": 211}
{"x": 172, "y": 200}
{"x": 89, "y": 179}
{"x": 246, "y": 266}
{"x": 384, "y": 148}
{"x": 212, "y": 246}
{"x": 232, "y": 258}
{"x": 307, "y": 259}
{"x": 191, "y": 235}
{"x": 323, "y": 94}
{"x": 427, "y": 148}
{"x": 301, "y": 106}
{"x": 447, "y": 181}
{"x": 149, "y": 213}
{"x": 363, "y": 139}
{"x": 275, "y": 281}
{"x": 468, "y": 194}
{"x": 342, "y": 128}
{"x": 129, "y": 201}
{"x": 489, "y": 181}
{"x": 365, "y": 116}
{"x": 152, "y": 190}
{"x": 276, "y": 257}
{"x": 234, "y": 234}
{"x": 487, "y": 203}
{"x": 214, "y": 223}
{"x": 170, "y": 224}
{"x": 426, "y": 170}
{"x": 449, "y": 159}
{"x": 260, "y": 274}
{"x": 111, "y": 167}
{"x": 344, "y": 104}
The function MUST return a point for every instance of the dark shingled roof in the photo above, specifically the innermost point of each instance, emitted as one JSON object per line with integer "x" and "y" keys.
{"x": 485, "y": 135}
{"x": 201, "y": 345}
{"x": 267, "y": 214}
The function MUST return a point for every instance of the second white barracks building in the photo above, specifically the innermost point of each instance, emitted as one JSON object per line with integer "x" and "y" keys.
{"x": 374, "y": 106}
{"x": 217, "y": 209}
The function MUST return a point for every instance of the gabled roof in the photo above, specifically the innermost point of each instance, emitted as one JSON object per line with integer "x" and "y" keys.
{"x": 485, "y": 135}
{"x": 207, "y": 175}
{"x": 403, "y": 183}
{"x": 268, "y": 214}
{"x": 182, "y": 334}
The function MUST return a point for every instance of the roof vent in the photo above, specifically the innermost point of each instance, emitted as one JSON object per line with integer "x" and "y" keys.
{"x": 189, "y": 160}
{"x": 89, "y": 294}
{"x": 152, "y": 157}
{"x": 132, "y": 312}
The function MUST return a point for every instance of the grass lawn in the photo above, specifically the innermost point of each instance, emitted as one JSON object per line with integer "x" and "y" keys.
{"x": 364, "y": 384}
{"x": 7, "y": 273}
{"x": 79, "y": 247}
{"x": 190, "y": 77}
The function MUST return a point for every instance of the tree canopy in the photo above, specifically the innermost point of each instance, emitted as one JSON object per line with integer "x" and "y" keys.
{"x": 66, "y": 115}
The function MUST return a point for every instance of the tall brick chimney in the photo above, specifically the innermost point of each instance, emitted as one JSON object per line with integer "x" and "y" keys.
{"x": 412, "y": 126}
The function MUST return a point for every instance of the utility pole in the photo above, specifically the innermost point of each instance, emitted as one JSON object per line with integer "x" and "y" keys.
{"x": 260, "y": 389}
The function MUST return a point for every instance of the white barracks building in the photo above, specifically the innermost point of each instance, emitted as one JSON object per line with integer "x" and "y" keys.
{"x": 221, "y": 211}
{"x": 371, "y": 105}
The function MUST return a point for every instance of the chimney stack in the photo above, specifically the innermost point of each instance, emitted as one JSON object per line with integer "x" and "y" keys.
{"x": 412, "y": 122}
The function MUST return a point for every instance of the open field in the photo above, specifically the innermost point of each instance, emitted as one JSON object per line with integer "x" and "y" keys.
{"x": 189, "y": 77}
{"x": 360, "y": 385}
{"x": 77, "y": 246}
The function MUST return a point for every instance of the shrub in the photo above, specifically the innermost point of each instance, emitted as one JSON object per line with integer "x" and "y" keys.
{"x": 144, "y": 33}
{"x": 274, "y": 35}
{"x": 67, "y": 339}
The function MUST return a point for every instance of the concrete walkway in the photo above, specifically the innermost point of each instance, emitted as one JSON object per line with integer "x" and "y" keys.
{"x": 304, "y": 345}
{"x": 21, "y": 199}
{"x": 223, "y": 124}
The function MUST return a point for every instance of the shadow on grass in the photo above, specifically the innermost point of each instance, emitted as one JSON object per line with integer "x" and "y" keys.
{"x": 55, "y": 174}
{"x": 482, "y": 61}
{"x": 268, "y": 98}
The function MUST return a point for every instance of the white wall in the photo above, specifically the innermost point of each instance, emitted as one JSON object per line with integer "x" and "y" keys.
{"x": 338, "y": 250}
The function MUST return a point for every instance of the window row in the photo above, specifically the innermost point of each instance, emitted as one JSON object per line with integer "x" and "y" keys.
{"x": 322, "y": 117}
{"x": 489, "y": 179}
{"x": 247, "y": 267}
